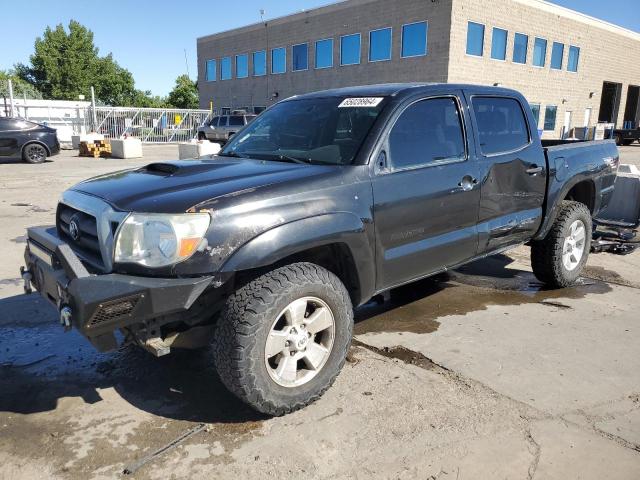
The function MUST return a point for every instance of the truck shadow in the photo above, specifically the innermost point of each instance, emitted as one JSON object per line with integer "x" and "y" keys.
{"x": 40, "y": 364}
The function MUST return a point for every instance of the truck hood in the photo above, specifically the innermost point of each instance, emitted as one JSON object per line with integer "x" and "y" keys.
{"x": 176, "y": 186}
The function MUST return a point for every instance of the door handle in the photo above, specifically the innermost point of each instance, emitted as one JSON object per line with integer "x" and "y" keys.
{"x": 534, "y": 170}
{"x": 467, "y": 182}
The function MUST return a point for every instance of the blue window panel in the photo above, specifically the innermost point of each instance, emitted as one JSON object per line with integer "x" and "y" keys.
{"x": 279, "y": 60}
{"x": 520, "y": 47}
{"x": 556, "y": 55}
{"x": 324, "y": 53}
{"x": 350, "y": 49}
{"x": 225, "y": 68}
{"x": 414, "y": 39}
{"x": 574, "y": 58}
{"x": 300, "y": 55}
{"x": 539, "y": 52}
{"x": 550, "y": 114}
{"x": 212, "y": 70}
{"x": 242, "y": 66}
{"x": 380, "y": 45}
{"x": 499, "y": 44}
{"x": 475, "y": 39}
{"x": 260, "y": 63}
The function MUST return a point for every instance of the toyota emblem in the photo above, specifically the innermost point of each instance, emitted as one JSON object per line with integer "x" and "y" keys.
{"x": 74, "y": 229}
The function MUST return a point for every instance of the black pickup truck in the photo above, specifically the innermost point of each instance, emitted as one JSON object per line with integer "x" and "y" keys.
{"x": 321, "y": 203}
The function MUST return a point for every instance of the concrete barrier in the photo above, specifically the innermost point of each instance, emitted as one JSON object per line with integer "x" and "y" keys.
{"x": 126, "y": 148}
{"x": 197, "y": 149}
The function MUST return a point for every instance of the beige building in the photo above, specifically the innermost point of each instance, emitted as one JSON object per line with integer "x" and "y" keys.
{"x": 575, "y": 70}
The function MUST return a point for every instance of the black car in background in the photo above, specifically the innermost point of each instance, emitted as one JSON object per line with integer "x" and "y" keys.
{"x": 31, "y": 141}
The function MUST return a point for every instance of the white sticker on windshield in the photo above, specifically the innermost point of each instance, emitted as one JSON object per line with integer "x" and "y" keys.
{"x": 360, "y": 102}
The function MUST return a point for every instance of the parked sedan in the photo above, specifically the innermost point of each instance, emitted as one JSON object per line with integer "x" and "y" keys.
{"x": 221, "y": 129}
{"x": 31, "y": 141}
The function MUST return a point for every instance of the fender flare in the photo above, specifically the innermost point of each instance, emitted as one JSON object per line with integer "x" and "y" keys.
{"x": 298, "y": 236}
{"x": 29, "y": 142}
{"x": 552, "y": 209}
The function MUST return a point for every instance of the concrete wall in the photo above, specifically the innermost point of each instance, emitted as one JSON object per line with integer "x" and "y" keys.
{"x": 354, "y": 16}
{"x": 607, "y": 53}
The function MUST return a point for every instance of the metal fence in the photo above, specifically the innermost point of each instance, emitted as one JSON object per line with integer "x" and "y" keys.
{"x": 151, "y": 125}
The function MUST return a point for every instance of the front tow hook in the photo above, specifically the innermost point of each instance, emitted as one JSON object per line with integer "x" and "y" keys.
{"x": 65, "y": 318}
{"x": 26, "y": 277}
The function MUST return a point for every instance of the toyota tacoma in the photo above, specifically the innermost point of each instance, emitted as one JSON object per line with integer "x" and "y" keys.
{"x": 321, "y": 203}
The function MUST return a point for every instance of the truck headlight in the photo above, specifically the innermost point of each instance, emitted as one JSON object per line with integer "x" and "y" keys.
{"x": 158, "y": 240}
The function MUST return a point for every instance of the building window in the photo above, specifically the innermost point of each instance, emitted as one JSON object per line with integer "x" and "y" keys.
{"x": 499, "y": 44}
{"x": 539, "y": 52}
{"x": 350, "y": 49}
{"x": 574, "y": 57}
{"x": 475, "y": 39}
{"x": 242, "y": 66}
{"x": 535, "y": 109}
{"x": 212, "y": 70}
{"x": 380, "y": 45}
{"x": 225, "y": 68}
{"x": 324, "y": 53}
{"x": 414, "y": 39}
{"x": 300, "y": 56}
{"x": 260, "y": 63}
{"x": 278, "y": 60}
{"x": 556, "y": 55}
{"x": 550, "y": 117}
{"x": 520, "y": 47}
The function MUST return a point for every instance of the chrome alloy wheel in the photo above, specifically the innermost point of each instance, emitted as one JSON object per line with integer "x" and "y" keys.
{"x": 299, "y": 342}
{"x": 574, "y": 243}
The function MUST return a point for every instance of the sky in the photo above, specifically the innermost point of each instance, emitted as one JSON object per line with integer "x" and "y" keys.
{"x": 149, "y": 38}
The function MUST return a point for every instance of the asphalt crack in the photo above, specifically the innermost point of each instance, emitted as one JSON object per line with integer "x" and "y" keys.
{"x": 535, "y": 450}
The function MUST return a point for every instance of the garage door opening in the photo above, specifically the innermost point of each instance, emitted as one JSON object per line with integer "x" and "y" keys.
{"x": 632, "y": 109}
{"x": 610, "y": 102}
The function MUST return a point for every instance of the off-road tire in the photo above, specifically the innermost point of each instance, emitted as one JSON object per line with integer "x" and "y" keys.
{"x": 244, "y": 325}
{"x": 34, "y": 153}
{"x": 546, "y": 254}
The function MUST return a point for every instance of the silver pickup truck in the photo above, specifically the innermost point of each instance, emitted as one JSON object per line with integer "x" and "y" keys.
{"x": 223, "y": 127}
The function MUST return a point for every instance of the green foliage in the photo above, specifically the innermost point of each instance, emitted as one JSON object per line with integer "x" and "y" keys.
{"x": 20, "y": 87}
{"x": 184, "y": 93}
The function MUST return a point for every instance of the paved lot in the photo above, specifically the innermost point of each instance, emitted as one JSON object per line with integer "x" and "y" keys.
{"x": 476, "y": 374}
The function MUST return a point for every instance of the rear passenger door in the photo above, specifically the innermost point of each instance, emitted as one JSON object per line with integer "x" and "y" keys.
{"x": 512, "y": 171}
{"x": 9, "y": 135}
{"x": 426, "y": 194}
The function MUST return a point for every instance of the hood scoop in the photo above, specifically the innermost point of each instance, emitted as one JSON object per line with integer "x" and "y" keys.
{"x": 160, "y": 168}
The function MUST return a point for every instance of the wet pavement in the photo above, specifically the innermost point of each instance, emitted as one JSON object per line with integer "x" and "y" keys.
{"x": 476, "y": 373}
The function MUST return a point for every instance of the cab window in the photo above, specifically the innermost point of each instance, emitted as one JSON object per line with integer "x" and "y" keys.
{"x": 427, "y": 132}
{"x": 501, "y": 124}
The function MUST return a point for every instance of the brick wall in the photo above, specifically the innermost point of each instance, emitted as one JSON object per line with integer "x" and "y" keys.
{"x": 606, "y": 54}
{"x": 354, "y": 16}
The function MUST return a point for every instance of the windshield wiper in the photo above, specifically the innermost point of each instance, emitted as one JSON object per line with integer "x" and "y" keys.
{"x": 294, "y": 159}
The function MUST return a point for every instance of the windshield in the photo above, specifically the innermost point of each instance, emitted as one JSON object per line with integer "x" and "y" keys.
{"x": 317, "y": 130}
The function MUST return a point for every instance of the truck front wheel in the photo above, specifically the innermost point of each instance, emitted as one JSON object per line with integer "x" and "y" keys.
{"x": 282, "y": 338}
{"x": 558, "y": 259}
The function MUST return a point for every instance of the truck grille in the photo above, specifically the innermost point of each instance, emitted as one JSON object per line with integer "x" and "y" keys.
{"x": 80, "y": 231}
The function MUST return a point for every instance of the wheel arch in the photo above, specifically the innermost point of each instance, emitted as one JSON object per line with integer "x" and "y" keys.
{"x": 39, "y": 142}
{"x": 337, "y": 242}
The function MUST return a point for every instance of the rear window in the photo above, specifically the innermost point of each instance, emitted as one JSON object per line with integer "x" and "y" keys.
{"x": 236, "y": 121}
{"x": 501, "y": 124}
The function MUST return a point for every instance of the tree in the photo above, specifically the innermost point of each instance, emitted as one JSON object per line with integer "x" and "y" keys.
{"x": 20, "y": 87}
{"x": 66, "y": 64}
{"x": 184, "y": 93}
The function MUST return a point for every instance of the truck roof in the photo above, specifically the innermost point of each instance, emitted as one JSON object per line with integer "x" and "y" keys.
{"x": 394, "y": 89}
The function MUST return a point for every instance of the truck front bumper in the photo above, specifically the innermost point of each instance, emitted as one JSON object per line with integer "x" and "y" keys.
{"x": 98, "y": 305}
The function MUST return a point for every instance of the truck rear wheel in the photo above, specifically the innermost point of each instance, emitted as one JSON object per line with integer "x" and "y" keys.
{"x": 282, "y": 338}
{"x": 558, "y": 259}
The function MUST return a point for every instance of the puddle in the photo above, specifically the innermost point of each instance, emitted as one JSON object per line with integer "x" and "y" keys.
{"x": 415, "y": 308}
{"x": 40, "y": 362}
